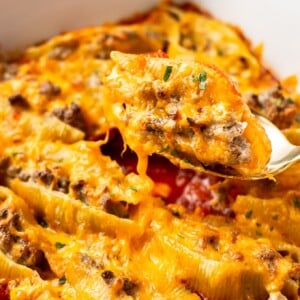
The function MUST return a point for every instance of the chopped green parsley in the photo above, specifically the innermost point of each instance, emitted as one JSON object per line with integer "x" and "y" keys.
{"x": 202, "y": 78}
{"x": 174, "y": 152}
{"x": 187, "y": 161}
{"x": 133, "y": 188}
{"x": 59, "y": 245}
{"x": 168, "y": 72}
{"x": 220, "y": 52}
{"x": 62, "y": 280}
{"x": 164, "y": 149}
{"x": 248, "y": 214}
{"x": 297, "y": 202}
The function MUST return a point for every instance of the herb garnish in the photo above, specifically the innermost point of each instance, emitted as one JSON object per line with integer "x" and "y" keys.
{"x": 220, "y": 52}
{"x": 59, "y": 245}
{"x": 133, "y": 188}
{"x": 202, "y": 78}
{"x": 297, "y": 202}
{"x": 168, "y": 72}
{"x": 164, "y": 149}
{"x": 174, "y": 152}
{"x": 248, "y": 214}
{"x": 62, "y": 280}
{"x": 14, "y": 154}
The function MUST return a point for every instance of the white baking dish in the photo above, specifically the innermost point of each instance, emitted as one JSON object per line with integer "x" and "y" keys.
{"x": 275, "y": 23}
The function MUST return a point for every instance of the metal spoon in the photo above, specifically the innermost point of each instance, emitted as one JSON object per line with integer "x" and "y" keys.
{"x": 283, "y": 153}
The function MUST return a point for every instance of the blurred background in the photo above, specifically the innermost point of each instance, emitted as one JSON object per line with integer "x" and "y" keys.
{"x": 275, "y": 23}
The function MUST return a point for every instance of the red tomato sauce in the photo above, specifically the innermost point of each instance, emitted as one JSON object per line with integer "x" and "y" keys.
{"x": 191, "y": 189}
{"x": 4, "y": 292}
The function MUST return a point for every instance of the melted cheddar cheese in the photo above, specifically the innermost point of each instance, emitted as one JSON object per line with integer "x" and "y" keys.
{"x": 76, "y": 219}
{"x": 191, "y": 110}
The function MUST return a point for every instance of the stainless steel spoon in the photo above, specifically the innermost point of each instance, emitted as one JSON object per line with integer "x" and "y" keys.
{"x": 283, "y": 153}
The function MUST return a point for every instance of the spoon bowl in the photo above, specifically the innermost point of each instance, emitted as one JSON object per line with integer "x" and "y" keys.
{"x": 283, "y": 152}
{"x": 283, "y": 155}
